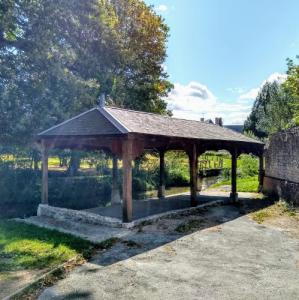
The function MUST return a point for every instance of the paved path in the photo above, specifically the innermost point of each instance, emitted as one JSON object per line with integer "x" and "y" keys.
{"x": 227, "y": 257}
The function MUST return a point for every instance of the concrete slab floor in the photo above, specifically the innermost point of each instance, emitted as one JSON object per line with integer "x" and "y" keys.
{"x": 99, "y": 233}
{"x": 224, "y": 256}
{"x": 146, "y": 208}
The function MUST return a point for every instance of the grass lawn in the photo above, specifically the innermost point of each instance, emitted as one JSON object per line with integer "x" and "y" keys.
{"x": 27, "y": 252}
{"x": 25, "y": 246}
{"x": 248, "y": 184}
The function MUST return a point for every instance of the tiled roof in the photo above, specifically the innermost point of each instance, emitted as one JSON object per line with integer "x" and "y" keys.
{"x": 111, "y": 120}
{"x": 90, "y": 122}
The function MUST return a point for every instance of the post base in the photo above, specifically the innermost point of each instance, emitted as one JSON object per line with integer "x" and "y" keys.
{"x": 161, "y": 192}
{"x": 115, "y": 196}
{"x": 234, "y": 197}
{"x": 193, "y": 202}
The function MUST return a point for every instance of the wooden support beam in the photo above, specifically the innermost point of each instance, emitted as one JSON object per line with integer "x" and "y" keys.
{"x": 234, "y": 194}
{"x": 261, "y": 172}
{"x": 161, "y": 189}
{"x": 193, "y": 175}
{"x": 115, "y": 194}
{"x": 44, "y": 152}
{"x": 127, "y": 180}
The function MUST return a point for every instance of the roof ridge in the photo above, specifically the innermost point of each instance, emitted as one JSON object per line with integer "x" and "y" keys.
{"x": 113, "y": 120}
{"x": 155, "y": 114}
{"x": 166, "y": 116}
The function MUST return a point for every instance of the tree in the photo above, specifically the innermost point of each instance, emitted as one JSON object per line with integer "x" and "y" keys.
{"x": 142, "y": 38}
{"x": 56, "y": 57}
{"x": 272, "y": 110}
{"x": 291, "y": 86}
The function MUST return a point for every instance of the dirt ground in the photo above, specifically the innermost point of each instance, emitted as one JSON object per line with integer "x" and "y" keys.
{"x": 285, "y": 224}
{"x": 219, "y": 253}
{"x": 12, "y": 281}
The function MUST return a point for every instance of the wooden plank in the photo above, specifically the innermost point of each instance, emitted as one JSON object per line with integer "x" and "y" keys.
{"x": 127, "y": 181}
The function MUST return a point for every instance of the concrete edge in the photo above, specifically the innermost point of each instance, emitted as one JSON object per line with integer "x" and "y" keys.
{"x": 62, "y": 230}
{"x": 52, "y": 212}
{"x": 79, "y": 235}
{"x": 62, "y": 214}
{"x": 41, "y": 279}
{"x": 171, "y": 213}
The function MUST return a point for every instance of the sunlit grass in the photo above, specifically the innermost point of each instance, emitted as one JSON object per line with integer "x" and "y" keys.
{"x": 25, "y": 246}
{"x": 248, "y": 184}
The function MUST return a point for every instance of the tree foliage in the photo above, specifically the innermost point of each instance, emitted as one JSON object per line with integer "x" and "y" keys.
{"x": 292, "y": 86}
{"x": 272, "y": 110}
{"x": 56, "y": 57}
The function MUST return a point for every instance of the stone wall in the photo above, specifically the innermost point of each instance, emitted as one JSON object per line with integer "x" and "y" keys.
{"x": 282, "y": 165}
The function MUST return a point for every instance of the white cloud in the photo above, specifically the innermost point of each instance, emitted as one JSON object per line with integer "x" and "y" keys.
{"x": 252, "y": 94}
{"x": 195, "y": 100}
{"x": 162, "y": 8}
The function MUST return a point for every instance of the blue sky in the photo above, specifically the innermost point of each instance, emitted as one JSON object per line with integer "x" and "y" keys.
{"x": 221, "y": 51}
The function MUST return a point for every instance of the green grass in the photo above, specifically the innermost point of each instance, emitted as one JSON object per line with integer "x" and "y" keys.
{"x": 25, "y": 246}
{"x": 248, "y": 184}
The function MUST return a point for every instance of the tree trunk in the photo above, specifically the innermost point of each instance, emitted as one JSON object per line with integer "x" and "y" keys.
{"x": 35, "y": 159}
{"x": 74, "y": 164}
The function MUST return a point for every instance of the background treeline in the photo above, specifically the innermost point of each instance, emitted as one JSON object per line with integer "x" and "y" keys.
{"x": 276, "y": 106}
{"x": 56, "y": 58}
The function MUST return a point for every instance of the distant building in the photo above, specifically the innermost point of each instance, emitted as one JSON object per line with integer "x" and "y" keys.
{"x": 237, "y": 128}
{"x": 219, "y": 121}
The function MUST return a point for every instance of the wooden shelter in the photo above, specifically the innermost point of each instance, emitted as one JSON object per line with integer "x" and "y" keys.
{"x": 127, "y": 133}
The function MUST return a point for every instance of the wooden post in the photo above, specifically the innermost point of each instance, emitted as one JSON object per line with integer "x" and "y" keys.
{"x": 261, "y": 172}
{"x": 161, "y": 189}
{"x": 234, "y": 194}
{"x": 44, "y": 174}
{"x": 115, "y": 195}
{"x": 193, "y": 175}
{"x": 127, "y": 180}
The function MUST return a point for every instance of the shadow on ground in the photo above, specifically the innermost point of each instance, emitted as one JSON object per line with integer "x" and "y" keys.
{"x": 151, "y": 235}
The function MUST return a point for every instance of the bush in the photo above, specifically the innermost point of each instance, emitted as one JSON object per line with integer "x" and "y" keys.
{"x": 248, "y": 166}
{"x": 19, "y": 185}
{"x": 225, "y": 174}
{"x": 79, "y": 192}
{"x": 139, "y": 184}
{"x": 177, "y": 177}
{"x": 21, "y": 191}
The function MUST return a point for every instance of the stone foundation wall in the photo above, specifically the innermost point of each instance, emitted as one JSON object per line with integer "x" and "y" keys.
{"x": 282, "y": 166}
{"x": 282, "y": 189}
{"x": 64, "y": 214}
